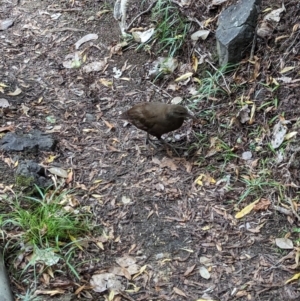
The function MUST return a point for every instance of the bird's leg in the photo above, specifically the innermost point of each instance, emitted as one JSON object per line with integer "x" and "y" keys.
{"x": 162, "y": 141}
{"x": 169, "y": 145}
{"x": 149, "y": 141}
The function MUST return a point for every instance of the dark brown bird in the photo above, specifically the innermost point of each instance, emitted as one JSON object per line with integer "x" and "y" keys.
{"x": 156, "y": 118}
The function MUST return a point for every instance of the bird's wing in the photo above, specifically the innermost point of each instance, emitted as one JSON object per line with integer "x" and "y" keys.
{"x": 141, "y": 120}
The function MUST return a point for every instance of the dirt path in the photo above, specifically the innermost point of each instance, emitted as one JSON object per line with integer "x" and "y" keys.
{"x": 147, "y": 201}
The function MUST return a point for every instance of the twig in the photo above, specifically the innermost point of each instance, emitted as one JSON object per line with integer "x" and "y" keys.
{"x": 126, "y": 296}
{"x": 253, "y": 46}
{"x": 65, "y": 29}
{"x": 64, "y": 9}
{"x": 196, "y": 21}
{"x": 293, "y": 209}
{"x": 283, "y": 210}
{"x": 159, "y": 88}
{"x": 293, "y": 157}
{"x": 142, "y": 13}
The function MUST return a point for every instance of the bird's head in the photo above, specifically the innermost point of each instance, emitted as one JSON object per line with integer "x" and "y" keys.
{"x": 181, "y": 112}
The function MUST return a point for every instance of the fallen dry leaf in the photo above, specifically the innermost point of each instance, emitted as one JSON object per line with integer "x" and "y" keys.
{"x": 179, "y": 292}
{"x": 263, "y": 204}
{"x": 246, "y": 210}
{"x": 49, "y": 292}
{"x": 109, "y": 125}
{"x": 189, "y": 270}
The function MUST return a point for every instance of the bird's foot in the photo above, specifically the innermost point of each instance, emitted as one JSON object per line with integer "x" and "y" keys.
{"x": 150, "y": 142}
{"x": 166, "y": 144}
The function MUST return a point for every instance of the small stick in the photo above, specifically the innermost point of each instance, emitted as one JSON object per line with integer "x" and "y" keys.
{"x": 65, "y": 29}
{"x": 64, "y": 9}
{"x": 143, "y": 12}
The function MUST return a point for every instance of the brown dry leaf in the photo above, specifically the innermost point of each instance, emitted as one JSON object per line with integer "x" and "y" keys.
{"x": 188, "y": 166}
{"x": 49, "y": 292}
{"x": 109, "y": 125}
{"x": 116, "y": 270}
{"x": 179, "y": 292}
{"x": 194, "y": 62}
{"x": 207, "y": 22}
{"x": 286, "y": 69}
{"x": 243, "y": 114}
{"x": 263, "y": 204}
{"x": 46, "y": 278}
{"x": 214, "y": 147}
{"x": 70, "y": 177}
{"x": 254, "y": 163}
{"x": 6, "y": 128}
{"x": 3, "y": 85}
{"x": 167, "y": 162}
{"x": 132, "y": 248}
{"x": 150, "y": 214}
{"x": 256, "y": 72}
{"x": 290, "y": 135}
{"x": 105, "y": 82}
{"x": 241, "y": 294}
{"x": 100, "y": 245}
{"x": 189, "y": 270}
{"x": 117, "y": 49}
{"x": 125, "y": 261}
{"x": 184, "y": 76}
{"x": 113, "y": 149}
{"x": 257, "y": 229}
{"x": 246, "y": 210}
{"x": 126, "y": 273}
{"x": 205, "y": 180}
{"x": 102, "y": 12}
{"x": 295, "y": 277}
{"x": 50, "y": 159}
{"x": 142, "y": 270}
{"x": 106, "y": 281}
{"x": 75, "y": 241}
{"x": 90, "y": 131}
{"x": 25, "y": 109}
{"x": 50, "y": 272}
{"x": 134, "y": 290}
{"x": 251, "y": 121}
{"x": 60, "y": 172}
{"x": 81, "y": 288}
{"x": 16, "y": 92}
{"x": 156, "y": 161}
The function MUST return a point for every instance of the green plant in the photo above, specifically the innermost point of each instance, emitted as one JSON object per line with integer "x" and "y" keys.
{"x": 201, "y": 142}
{"x": 29, "y": 296}
{"x": 45, "y": 229}
{"x": 210, "y": 86}
{"x": 261, "y": 185}
{"x": 271, "y": 103}
{"x": 226, "y": 152}
{"x": 43, "y": 219}
{"x": 171, "y": 28}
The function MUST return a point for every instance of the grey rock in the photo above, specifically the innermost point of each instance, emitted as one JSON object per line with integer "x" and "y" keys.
{"x": 90, "y": 117}
{"x": 4, "y": 25}
{"x": 5, "y": 291}
{"x": 34, "y": 140}
{"x": 29, "y": 173}
{"x": 236, "y": 27}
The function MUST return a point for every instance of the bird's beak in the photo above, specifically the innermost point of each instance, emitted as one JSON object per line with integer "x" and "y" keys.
{"x": 191, "y": 115}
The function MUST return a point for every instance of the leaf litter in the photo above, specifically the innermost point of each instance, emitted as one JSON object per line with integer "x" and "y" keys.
{"x": 148, "y": 203}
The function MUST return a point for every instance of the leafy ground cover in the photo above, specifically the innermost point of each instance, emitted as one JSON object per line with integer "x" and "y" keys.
{"x": 166, "y": 227}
